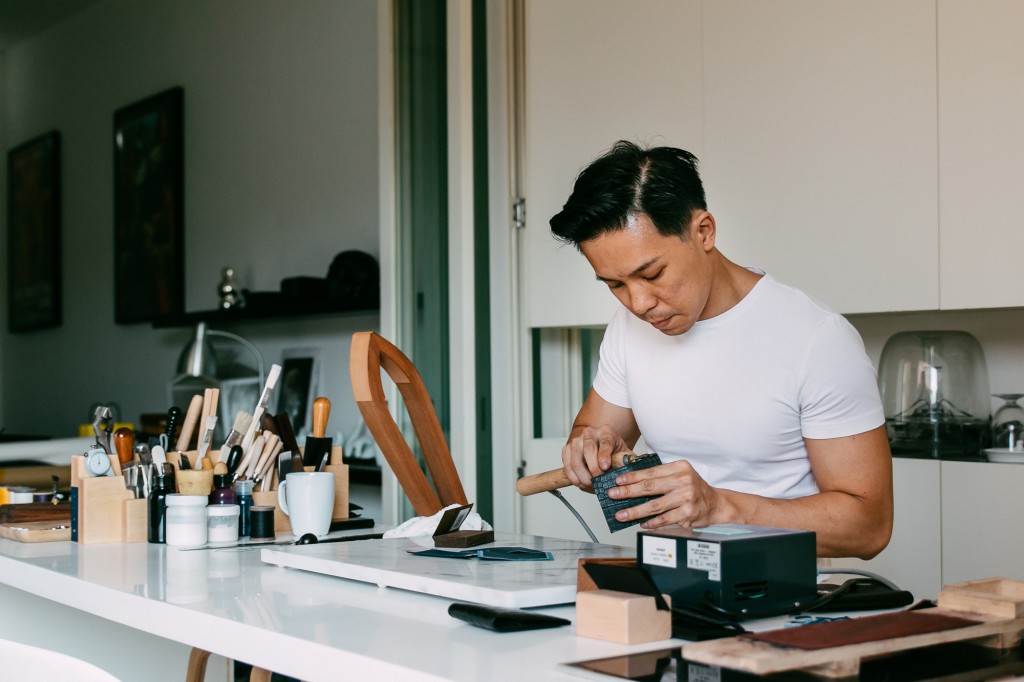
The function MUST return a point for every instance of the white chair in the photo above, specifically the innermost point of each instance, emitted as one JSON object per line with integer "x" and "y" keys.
{"x": 23, "y": 662}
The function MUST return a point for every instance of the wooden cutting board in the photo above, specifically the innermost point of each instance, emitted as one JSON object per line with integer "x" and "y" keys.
{"x": 983, "y": 610}
{"x": 36, "y": 531}
{"x": 762, "y": 657}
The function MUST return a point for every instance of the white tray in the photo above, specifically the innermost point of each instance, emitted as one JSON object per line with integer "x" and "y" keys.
{"x": 1005, "y": 456}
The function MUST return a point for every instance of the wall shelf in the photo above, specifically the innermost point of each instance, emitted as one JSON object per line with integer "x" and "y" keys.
{"x": 234, "y": 315}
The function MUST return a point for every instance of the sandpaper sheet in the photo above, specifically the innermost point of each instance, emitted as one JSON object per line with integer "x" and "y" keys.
{"x": 860, "y": 630}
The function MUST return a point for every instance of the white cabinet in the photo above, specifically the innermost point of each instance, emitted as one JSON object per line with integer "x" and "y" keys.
{"x": 913, "y": 559}
{"x": 597, "y": 71}
{"x": 815, "y": 124}
{"x": 982, "y": 513}
{"x": 981, "y": 152}
{"x": 955, "y": 521}
{"x": 820, "y": 146}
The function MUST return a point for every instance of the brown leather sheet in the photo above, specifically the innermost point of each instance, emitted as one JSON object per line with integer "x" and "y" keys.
{"x": 861, "y": 630}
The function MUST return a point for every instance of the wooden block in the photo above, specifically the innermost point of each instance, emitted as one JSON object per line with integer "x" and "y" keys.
{"x": 464, "y": 538}
{"x": 621, "y": 617}
{"x": 340, "y": 472}
{"x": 998, "y": 597}
{"x": 135, "y": 526}
{"x": 101, "y": 509}
{"x": 585, "y": 583}
{"x": 36, "y": 531}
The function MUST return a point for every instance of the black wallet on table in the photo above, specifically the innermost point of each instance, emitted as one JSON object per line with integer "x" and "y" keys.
{"x": 503, "y": 620}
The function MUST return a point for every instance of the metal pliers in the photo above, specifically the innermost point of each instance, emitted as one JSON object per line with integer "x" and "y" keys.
{"x": 102, "y": 425}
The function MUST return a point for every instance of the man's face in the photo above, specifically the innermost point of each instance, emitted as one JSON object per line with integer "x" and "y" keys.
{"x": 665, "y": 281}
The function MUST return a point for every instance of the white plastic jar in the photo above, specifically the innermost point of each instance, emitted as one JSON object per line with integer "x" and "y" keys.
{"x": 222, "y": 522}
{"x": 186, "y": 520}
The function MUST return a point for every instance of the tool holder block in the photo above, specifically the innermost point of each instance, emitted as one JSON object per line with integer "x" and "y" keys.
{"x": 101, "y": 505}
{"x": 340, "y": 513}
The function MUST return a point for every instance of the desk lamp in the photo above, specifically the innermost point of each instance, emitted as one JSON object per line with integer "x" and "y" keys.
{"x": 199, "y": 368}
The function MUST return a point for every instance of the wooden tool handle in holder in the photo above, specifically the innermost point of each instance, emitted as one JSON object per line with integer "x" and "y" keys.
{"x": 321, "y": 413}
{"x": 554, "y": 479}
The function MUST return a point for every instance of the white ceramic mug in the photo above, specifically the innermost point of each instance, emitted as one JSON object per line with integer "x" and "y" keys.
{"x": 307, "y": 498}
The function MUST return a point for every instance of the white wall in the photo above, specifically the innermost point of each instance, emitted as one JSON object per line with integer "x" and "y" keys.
{"x": 281, "y": 173}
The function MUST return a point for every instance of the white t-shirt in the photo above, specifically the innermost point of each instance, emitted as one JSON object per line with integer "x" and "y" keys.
{"x": 737, "y": 394}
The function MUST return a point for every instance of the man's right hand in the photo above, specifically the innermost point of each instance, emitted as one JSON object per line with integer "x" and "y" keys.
{"x": 589, "y": 453}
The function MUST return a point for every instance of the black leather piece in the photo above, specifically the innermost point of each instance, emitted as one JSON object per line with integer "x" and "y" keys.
{"x": 503, "y": 620}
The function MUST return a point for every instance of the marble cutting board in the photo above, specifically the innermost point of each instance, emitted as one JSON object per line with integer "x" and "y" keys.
{"x": 510, "y": 584}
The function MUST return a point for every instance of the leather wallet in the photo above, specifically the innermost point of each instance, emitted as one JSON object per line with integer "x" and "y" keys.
{"x": 503, "y": 620}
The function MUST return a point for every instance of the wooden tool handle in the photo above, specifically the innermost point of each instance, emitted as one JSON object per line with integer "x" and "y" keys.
{"x": 555, "y": 479}
{"x": 124, "y": 444}
{"x": 191, "y": 419}
{"x": 173, "y": 420}
{"x": 321, "y": 413}
{"x": 541, "y": 483}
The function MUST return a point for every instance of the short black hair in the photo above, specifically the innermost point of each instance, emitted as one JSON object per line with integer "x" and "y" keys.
{"x": 661, "y": 182}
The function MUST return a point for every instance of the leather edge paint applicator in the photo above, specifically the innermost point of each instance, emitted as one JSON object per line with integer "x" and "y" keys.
{"x": 317, "y": 445}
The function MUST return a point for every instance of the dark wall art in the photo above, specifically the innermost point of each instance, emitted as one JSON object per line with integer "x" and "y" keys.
{"x": 33, "y": 235}
{"x": 149, "y": 227}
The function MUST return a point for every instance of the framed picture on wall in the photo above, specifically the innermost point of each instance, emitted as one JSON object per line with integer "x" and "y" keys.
{"x": 149, "y": 226}
{"x": 33, "y": 234}
{"x": 299, "y": 383}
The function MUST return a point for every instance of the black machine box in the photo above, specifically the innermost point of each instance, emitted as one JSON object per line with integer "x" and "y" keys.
{"x": 745, "y": 571}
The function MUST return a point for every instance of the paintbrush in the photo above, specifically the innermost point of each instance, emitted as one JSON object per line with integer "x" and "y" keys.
{"x": 238, "y": 429}
{"x": 261, "y": 406}
{"x": 252, "y": 454}
{"x": 203, "y": 462}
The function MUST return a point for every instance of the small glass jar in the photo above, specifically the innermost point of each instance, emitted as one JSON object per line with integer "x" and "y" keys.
{"x": 222, "y": 492}
{"x": 186, "y": 520}
{"x": 222, "y": 523}
{"x": 243, "y": 489}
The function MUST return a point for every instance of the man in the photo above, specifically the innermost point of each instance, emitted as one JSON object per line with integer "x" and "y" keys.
{"x": 760, "y": 401}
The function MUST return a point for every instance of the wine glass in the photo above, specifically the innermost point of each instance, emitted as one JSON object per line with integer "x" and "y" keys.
{"x": 1008, "y": 421}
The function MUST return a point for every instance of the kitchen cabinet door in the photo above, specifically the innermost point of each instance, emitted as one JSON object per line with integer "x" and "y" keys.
{"x": 981, "y": 152}
{"x": 820, "y": 146}
{"x": 982, "y": 508}
{"x": 913, "y": 559}
{"x": 597, "y": 71}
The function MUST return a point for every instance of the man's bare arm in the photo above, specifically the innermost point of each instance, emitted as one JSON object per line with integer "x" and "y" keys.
{"x": 851, "y": 515}
{"x": 600, "y": 430}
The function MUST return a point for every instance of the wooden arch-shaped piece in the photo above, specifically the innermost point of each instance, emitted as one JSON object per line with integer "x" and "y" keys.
{"x": 368, "y": 355}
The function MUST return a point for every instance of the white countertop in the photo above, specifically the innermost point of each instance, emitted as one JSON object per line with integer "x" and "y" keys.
{"x": 289, "y": 621}
{"x": 57, "y": 451}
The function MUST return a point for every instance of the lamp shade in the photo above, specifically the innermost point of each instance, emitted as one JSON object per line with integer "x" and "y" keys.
{"x": 198, "y": 357}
